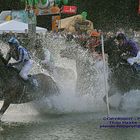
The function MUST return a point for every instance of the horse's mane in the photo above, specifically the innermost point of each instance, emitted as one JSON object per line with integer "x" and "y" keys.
{"x": 6, "y": 70}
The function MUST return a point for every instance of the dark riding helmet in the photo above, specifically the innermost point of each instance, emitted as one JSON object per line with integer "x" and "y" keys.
{"x": 14, "y": 41}
{"x": 121, "y": 36}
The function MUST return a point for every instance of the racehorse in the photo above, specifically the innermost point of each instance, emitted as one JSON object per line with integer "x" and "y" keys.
{"x": 13, "y": 90}
{"x": 122, "y": 76}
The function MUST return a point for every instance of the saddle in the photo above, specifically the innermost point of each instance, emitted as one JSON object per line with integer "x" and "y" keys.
{"x": 32, "y": 82}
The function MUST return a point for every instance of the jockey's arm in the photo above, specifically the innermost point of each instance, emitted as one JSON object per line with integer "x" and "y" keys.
{"x": 133, "y": 49}
{"x": 21, "y": 58}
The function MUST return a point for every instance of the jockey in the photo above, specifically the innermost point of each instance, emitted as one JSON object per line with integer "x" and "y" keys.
{"x": 93, "y": 41}
{"x": 21, "y": 55}
{"x": 130, "y": 50}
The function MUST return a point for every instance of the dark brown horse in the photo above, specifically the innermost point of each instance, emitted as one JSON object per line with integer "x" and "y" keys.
{"x": 122, "y": 77}
{"x": 13, "y": 90}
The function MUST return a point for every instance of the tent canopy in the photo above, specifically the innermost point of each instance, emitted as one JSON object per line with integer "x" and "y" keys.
{"x": 17, "y": 27}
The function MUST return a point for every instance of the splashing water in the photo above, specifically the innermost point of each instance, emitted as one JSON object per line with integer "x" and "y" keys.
{"x": 70, "y": 100}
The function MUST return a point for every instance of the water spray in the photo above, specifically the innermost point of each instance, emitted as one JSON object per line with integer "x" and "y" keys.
{"x": 105, "y": 76}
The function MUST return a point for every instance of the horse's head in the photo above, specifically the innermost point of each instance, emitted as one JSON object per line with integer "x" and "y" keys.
{"x": 2, "y": 60}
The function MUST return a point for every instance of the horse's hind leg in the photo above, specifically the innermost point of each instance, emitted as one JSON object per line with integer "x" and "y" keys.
{"x": 4, "y": 107}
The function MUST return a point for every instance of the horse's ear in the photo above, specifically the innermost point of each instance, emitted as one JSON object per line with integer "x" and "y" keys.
{"x": 2, "y": 59}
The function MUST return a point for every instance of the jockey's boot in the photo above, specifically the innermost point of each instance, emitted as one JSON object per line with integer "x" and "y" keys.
{"x": 33, "y": 82}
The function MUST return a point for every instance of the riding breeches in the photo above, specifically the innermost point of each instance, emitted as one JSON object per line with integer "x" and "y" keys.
{"x": 133, "y": 60}
{"x": 26, "y": 69}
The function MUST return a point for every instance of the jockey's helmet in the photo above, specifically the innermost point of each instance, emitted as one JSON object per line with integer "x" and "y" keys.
{"x": 121, "y": 36}
{"x": 14, "y": 41}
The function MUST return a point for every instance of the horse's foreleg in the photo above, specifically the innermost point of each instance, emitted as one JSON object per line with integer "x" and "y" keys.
{"x": 7, "y": 102}
{"x": 4, "y": 107}
{"x": 110, "y": 93}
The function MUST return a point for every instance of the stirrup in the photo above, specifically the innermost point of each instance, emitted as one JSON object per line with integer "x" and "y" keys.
{"x": 33, "y": 81}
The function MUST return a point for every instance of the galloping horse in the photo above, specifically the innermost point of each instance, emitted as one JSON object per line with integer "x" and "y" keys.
{"x": 13, "y": 90}
{"x": 122, "y": 77}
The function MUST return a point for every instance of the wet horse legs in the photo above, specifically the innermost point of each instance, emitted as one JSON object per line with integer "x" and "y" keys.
{"x": 7, "y": 101}
{"x": 4, "y": 107}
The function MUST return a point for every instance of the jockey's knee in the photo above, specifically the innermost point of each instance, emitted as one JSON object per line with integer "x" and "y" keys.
{"x": 23, "y": 76}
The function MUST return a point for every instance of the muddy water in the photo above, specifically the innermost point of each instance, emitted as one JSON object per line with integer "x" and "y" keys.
{"x": 84, "y": 126}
